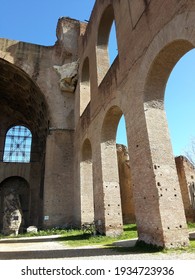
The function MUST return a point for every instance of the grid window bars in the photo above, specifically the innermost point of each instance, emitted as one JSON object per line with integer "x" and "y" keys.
{"x": 18, "y": 144}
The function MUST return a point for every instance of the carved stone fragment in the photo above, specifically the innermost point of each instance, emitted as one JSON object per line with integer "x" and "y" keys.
{"x": 68, "y": 76}
{"x": 12, "y": 218}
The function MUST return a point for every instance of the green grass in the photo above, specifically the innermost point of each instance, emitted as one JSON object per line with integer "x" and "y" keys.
{"x": 84, "y": 239}
{"x": 77, "y": 238}
{"x": 192, "y": 245}
{"x": 191, "y": 226}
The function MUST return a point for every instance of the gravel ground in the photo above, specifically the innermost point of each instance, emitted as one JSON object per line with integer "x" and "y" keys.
{"x": 51, "y": 248}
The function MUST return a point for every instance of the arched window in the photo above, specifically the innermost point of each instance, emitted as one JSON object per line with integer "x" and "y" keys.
{"x": 17, "y": 144}
{"x": 107, "y": 47}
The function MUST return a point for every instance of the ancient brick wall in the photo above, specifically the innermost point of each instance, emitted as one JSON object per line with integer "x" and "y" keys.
{"x": 186, "y": 174}
{"x": 149, "y": 45}
{"x": 77, "y": 99}
{"x": 125, "y": 181}
{"x": 36, "y": 89}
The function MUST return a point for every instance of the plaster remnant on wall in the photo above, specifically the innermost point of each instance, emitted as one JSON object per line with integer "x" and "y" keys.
{"x": 154, "y": 104}
{"x": 68, "y": 76}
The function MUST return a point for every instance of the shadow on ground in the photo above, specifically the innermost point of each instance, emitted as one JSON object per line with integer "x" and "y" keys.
{"x": 117, "y": 248}
{"x": 55, "y": 254}
{"x": 66, "y": 253}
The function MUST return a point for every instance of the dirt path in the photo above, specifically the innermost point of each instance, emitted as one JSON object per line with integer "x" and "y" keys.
{"x": 51, "y": 248}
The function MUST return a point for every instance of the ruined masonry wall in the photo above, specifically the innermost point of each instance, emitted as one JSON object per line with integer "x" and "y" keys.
{"x": 186, "y": 174}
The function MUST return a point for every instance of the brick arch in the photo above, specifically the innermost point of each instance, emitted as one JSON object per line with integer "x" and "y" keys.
{"x": 6, "y": 179}
{"x": 154, "y": 200}
{"x": 163, "y": 56}
{"x": 21, "y": 99}
{"x": 86, "y": 150}
{"x": 167, "y": 47}
{"x": 86, "y": 183}
{"x": 161, "y": 68}
{"x": 110, "y": 124}
{"x": 22, "y": 102}
{"x": 154, "y": 92}
{"x": 104, "y": 28}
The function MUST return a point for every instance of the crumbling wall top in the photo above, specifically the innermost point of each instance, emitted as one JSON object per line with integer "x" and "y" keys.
{"x": 68, "y": 31}
{"x": 186, "y": 161}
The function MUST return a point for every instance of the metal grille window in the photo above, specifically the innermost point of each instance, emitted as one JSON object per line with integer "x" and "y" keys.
{"x": 18, "y": 144}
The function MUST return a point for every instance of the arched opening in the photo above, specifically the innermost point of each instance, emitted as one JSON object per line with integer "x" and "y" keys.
{"x": 112, "y": 222}
{"x": 112, "y": 43}
{"x": 106, "y": 49}
{"x": 23, "y": 105}
{"x": 85, "y": 91}
{"x": 22, "y": 102}
{"x": 154, "y": 96}
{"x": 121, "y": 135}
{"x": 125, "y": 179}
{"x": 165, "y": 182}
{"x": 86, "y": 171}
{"x": 179, "y": 103}
{"x": 14, "y": 205}
{"x": 179, "y": 107}
{"x": 17, "y": 145}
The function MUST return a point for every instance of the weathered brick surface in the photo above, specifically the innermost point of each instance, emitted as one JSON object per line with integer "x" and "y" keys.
{"x": 30, "y": 94}
{"x": 152, "y": 36}
{"x": 186, "y": 174}
{"x": 126, "y": 188}
{"x": 149, "y": 45}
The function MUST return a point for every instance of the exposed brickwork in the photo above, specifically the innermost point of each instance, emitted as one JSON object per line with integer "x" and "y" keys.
{"x": 125, "y": 181}
{"x": 186, "y": 174}
{"x": 76, "y": 131}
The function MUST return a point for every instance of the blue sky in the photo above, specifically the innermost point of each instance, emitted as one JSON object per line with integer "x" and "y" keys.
{"x": 179, "y": 105}
{"x": 35, "y": 22}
